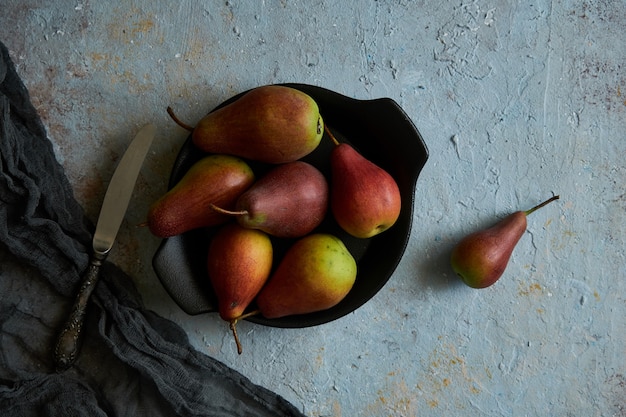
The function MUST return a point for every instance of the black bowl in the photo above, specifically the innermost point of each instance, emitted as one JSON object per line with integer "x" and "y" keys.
{"x": 382, "y": 132}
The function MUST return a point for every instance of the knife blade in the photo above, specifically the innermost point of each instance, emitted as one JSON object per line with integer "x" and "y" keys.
{"x": 112, "y": 212}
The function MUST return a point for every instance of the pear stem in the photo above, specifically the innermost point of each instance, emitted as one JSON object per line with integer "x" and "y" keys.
{"x": 178, "y": 121}
{"x": 332, "y": 137}
{"x": 249, "y": 314}
{"x": 228, "y": 212}
{"x": 538, "y": 206}
{"x": 233, "y": 328}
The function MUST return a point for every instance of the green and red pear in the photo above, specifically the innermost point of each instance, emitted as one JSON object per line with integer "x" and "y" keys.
{"x": 215, "y": 179}
{"x": 272, "y": 123}
{"x": 315, "y": 274}
{"x": 481, "y": 258}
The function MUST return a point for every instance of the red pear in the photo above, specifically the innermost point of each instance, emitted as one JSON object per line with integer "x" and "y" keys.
{"x": 239, "y": 263}
{"x": 481, "y": 257}
{"x": 365, "y": 199}
{"x": 215, "y": 179}
{"x": 289, "y": 201}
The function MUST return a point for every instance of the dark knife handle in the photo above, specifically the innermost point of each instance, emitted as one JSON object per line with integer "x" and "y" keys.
{"x": 68, "y": 342}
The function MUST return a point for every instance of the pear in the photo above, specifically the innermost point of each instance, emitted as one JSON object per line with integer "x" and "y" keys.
{"x": 239, "y": 263}
{"x": 217, "y": 179}
{"x": 289, "y": 201}
{"x": 316, "y": 273}
{"x": 272, "y": 123}
{"x": 481, "y": 257}
{"x": 364, "y": 198}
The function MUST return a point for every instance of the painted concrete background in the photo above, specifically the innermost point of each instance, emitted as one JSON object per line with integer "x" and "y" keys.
{"x": 517, "y": 101}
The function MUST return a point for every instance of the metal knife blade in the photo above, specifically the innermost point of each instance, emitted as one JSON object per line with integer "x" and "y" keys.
{"x": 120, "y": 190}
{"x": 112, "y": 213}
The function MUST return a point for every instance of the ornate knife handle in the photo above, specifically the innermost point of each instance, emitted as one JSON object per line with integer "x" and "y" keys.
{"x": 68, "y": 342}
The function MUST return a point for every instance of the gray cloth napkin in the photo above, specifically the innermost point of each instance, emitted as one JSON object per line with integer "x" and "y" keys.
{"x": 133, "y": 362}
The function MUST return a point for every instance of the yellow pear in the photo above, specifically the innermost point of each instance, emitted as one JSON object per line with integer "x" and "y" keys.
{"x": 315, "y": 274}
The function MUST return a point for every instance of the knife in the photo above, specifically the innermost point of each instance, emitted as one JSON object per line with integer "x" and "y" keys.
{"x": 112, "y": 213}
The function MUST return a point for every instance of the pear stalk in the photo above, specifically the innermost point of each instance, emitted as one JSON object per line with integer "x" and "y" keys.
{"x": 330, "y": 134}
{"x": 233, "y": 328}
{"x": 178, "y": 121}
{"x": 228, "y": 212}
{"x": 538, "y": 206}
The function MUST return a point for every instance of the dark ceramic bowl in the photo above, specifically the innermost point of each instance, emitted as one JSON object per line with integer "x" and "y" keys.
{"x": 381, "y": 131}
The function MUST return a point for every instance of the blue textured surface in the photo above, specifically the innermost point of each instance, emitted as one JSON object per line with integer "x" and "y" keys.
{"x": 515, "y": 101}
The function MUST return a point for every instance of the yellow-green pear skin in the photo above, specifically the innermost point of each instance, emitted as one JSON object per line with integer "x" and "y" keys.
{"x": 273, "y": 124}
{"x": 315, "y": 274}
{"x": 239, "y": 263}
{"x": 214, "y": 179}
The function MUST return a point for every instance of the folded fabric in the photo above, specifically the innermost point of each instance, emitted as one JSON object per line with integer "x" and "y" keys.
{"x": 133, "y": 362}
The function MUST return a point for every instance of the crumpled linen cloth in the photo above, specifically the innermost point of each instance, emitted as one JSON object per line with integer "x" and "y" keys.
{"x": 132, "y": 362}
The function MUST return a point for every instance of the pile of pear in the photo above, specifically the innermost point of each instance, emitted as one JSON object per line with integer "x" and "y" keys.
{"x": 277, "y": 126}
